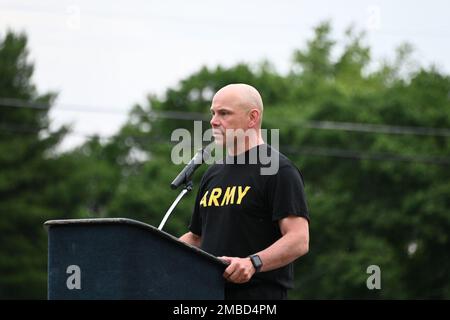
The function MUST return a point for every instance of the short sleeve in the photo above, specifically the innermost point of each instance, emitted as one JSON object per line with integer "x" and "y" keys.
{"x": 286, "y": 194}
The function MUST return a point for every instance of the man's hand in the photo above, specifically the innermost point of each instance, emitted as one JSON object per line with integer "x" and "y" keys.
{"x": 240, "y": 270}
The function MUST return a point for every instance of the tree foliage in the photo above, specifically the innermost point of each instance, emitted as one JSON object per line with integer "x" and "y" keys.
{"x": 29, "y": 177}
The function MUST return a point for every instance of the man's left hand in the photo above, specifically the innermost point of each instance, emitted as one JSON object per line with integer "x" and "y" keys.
{"x": 240, "y": 270}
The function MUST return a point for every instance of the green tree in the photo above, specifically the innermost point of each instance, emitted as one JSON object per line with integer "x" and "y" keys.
{"x": 30, "y": 172}
{"x": 364, "y": 187}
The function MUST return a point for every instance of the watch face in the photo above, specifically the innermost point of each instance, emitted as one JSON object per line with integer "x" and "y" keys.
{"x": 257, "y": 263}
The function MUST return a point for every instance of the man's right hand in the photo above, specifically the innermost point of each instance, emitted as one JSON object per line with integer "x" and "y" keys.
{"x": 240, "y": 270}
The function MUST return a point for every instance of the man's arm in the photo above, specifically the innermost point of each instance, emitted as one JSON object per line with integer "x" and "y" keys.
{"x": 191, "y": 238}
{"x": 293, "y": 244}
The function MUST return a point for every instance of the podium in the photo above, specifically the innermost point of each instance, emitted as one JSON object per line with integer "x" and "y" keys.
{"x": 118, "y": 258}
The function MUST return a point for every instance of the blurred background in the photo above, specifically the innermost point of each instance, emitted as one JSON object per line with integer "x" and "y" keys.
{"x": 360, "y": 91}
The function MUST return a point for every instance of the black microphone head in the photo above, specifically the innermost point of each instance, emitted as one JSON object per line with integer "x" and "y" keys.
{"x": 184, "y": 176}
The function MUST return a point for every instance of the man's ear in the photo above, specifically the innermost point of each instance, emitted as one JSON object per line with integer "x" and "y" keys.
{"x": 254, "y": 117}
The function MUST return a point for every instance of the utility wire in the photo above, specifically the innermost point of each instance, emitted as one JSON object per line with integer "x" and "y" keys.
{"x": 358, "y": 155}
{"x": 377, "y": 128}
{"x": 311, "y": 124}
{"x": 348, "y": 154}
{"x": 18, "y": 103}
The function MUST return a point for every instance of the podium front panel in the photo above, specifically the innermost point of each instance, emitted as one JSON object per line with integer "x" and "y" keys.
{"x": 122, "y": 261}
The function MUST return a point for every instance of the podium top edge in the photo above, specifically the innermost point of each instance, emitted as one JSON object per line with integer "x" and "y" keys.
{"x": 127, "y": 221}
{"x": 95, "y": 221}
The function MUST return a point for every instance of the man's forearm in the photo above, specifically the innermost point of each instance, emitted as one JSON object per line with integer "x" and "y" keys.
{"x": 191, "y": 239}
{"x": 288, "y": 248}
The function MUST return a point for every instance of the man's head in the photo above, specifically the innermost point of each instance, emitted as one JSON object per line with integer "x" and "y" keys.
{"x": 234, "y": 107}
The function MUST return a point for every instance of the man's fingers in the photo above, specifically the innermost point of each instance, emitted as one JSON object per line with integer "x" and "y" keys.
{"x": 226, "y": 259}
{"x": 236, "y": 272}
{"x": 236, "y": 275}
{"x": 228, "y": 275}
{"x": 229, "y": 270}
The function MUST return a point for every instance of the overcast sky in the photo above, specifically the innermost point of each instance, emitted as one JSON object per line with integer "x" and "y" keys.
{"x": 103, "y": 56}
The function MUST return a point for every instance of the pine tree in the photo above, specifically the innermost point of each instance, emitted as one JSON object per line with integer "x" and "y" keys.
{"x": 29, "y": 173}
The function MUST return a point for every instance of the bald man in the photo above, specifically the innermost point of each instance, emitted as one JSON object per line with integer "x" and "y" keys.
{"x": 257, "y": 223}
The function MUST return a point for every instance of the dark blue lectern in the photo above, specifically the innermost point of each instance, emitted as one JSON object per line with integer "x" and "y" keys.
{"x": 121, "y": 258}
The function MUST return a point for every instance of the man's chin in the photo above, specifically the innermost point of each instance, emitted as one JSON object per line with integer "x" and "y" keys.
{"x": 219, "y": 140}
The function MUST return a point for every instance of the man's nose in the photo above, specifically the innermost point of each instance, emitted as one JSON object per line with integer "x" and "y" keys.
{"x": 214, "y": 121}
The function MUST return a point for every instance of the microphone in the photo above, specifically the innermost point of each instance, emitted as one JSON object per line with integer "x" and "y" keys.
{"x": 185, "y": 175}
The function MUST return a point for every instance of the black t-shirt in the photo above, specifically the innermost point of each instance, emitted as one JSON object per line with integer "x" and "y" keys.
{"x": 237, "y": 208}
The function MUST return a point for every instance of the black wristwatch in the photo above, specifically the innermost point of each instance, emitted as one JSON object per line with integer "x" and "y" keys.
{"x": 256, "y": 261}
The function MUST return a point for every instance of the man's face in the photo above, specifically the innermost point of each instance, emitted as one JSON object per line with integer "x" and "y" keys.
{"x": 227, "y": 117}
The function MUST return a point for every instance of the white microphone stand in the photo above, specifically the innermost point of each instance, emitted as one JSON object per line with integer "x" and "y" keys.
{"x": 187, "y": 188}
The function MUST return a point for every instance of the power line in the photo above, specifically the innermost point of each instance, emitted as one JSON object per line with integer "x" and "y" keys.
{"x": 358, "y": 155}
{"x": 377, "y": 128}
{"x": 348, "y": 154}
{"x": 175, "y": 115}
{"x": 18, "y": 103}
{"x": 180, "y": 115}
